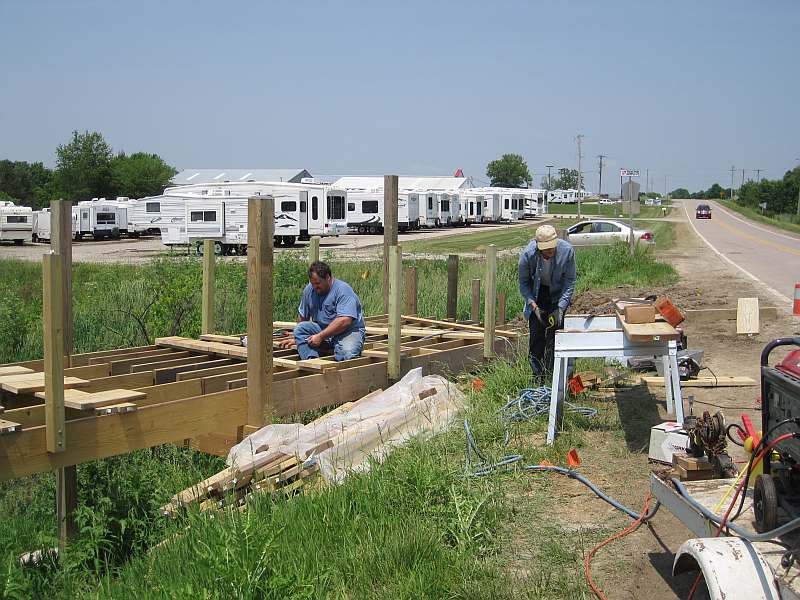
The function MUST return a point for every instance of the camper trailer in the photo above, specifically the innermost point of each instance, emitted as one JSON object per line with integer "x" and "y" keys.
{"x": 448, "y": 208}
{"x": 569, "y": 196}
{"x": 151, "y": 214}
{"x": 365, "y": 210}
{"x": 428, "y": 208}
{"x": 100, "y": 219}
{"x": 41, "y": 229}
{"x": 219, "y": 212}
{"x": 470, "y": 208}
{"x": 16, "y": 223}
{"x": 492, "y": 207}
{"x": 535, "y": 202}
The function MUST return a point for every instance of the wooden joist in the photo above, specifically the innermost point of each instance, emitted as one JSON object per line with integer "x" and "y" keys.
{"x": 30, "y": 383}
{"x": 721, "y": 381}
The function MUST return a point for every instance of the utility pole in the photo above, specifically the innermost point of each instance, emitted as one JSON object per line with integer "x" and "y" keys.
{"x": 647, "y": 182}
{"x": 578, "y": 139}
{"x": 600, "y": 184}
{"x": 740, "y": 187}
{"x": 549, "y": 178}
{"x": 758, "y": 175}
{"x": 733, "y": 170}
{"x": 666, "y": 194}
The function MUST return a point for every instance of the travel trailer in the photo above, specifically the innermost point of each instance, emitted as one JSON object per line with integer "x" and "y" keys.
{"x": 100, "y": 219}
{"x": 16, "y": 223}
{"x": 491, "y": 198}
{"x": 365, "y": 210}
{"x": 448, "y": 208}
{"x": 150, "y": 215}
{"x": 470, "y": 208}
{"x": 428, "y": 208}
{"x": 569, "y": 196}
{"x": 535, "y": 202}
{"x": 219, "y": 212}
{"x": 41, "y": 227}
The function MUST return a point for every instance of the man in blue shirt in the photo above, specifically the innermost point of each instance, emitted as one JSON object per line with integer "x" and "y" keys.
{"x": 546, "y": 282}
{"x": 329, "y": 316}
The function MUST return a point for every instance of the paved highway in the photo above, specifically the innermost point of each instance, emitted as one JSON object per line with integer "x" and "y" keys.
{"x": 768, "y": 255}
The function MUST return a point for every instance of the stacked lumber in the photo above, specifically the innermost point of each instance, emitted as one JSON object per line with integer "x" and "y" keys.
{"x": 690, "y": 468}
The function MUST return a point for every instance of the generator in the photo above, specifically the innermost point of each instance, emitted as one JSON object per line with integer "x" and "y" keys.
{"x": 779, "y": 485}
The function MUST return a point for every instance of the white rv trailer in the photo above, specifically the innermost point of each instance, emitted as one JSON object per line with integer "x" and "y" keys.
{"x": 470, "y": 208}
{"x": 219, "y": 212}
{"x": 16, "y": 223}
{"x": 100, "y": 219}
{"x": 365, "y": 210}
{"x": 151, "y": 214}
{"x": 41, "y": 231}
{"x": 449, "y": 208}
{"x": 492, "y": 202}
{"x": 535, "y": 202}
{"x": 428, "y": 208}
{"x": 569, "y": 196}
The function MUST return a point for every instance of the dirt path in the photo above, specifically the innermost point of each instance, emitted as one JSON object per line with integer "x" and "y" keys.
{"x": 639, "y": 566}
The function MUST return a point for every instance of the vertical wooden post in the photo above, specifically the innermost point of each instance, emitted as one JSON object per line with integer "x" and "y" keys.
{"x": 395, "y": 299}
{"x": 452, "y": 286}
{"x": 389, "y": 230}
{"x": 53, "y": 319}
{"x": 411, "y": 290}
{"x": 475, "y": 309}
{"x": 313, "y": 250}
{"x": 501, "y": 308}
{"x": 209, "y": 264}
{"x": 61, "y": 249}
{"x": 489, "y": 306}
{"x": 260, "y": 232}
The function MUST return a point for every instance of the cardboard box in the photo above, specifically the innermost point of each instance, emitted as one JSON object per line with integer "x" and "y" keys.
{"x": 640, "y": 313}
{"x": 665, "y": 440}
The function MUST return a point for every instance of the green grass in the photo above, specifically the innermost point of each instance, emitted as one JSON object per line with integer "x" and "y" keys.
{"x": 413, "y": 527}
{"x": 607, "y": 210}
{"x": 757, "y": 216}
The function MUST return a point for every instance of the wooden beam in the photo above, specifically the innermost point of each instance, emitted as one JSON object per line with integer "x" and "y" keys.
{"x": 79, "y": 360}
{"x": 452, "y": 286}
{"x": 747, "y": 316}
{"x": 390, "y": 202}
{"x": 395, "y": 295}
{"x": 411, "y": 290}
{"x": 261, "y": 229}
{"x": 489, "y": 307}
{"x": 475, "y": 306}
{"x": 53, "y": 322}
{"x": 313, "y": 249}
{"x": 209, "y": 263}
{"x": 25, "y": 453}
{"x": 698, "y": 315}
{"x": 457, "y": 326}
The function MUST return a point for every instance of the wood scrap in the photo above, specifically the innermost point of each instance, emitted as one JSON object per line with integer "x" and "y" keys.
{"x": 720, "y": 381}
{"x": 7, "y": 427}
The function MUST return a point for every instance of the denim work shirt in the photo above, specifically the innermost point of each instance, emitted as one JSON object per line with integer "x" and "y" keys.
{"x": 340, "y": 301}
{"x": 562, "y": 277}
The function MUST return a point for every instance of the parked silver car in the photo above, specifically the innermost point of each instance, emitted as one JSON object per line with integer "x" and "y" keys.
{"x": 601, "y": 232}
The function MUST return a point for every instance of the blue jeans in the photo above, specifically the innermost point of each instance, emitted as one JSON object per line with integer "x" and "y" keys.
{"x": 345, "y": 346}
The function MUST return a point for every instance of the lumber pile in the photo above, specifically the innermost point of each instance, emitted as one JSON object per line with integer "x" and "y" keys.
{"x": 283, "y": 459}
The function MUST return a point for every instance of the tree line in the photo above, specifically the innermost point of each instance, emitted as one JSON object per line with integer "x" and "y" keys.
{"x": 86, "y": 167}
{"x": 779, "y": 195}
{"x": 511, "y": 171}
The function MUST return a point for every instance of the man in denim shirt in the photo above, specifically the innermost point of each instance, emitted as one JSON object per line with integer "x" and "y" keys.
{"x": 546, "y": 282}
{"x": 329, "y": 316}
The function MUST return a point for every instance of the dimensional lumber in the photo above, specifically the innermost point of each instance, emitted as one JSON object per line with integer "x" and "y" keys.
{"x": 9, "y": 427}
{"x": 14, "y": 370}
{"x": 390, "y": 226}
{"x": 395, "y": 319}
{"x": 489, "y": 313}
{"x": 728, "y": 314}
{"x": 53, "y": 379}
{"x": 721, "y": 381}
{"x": 37, "y": 384}
{"x": 648, "y": 332}
{"x": 747, "y": 316}
{"x": 207, "y": 308}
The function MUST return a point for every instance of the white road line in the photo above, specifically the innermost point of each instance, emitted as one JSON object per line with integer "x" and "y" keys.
{"x": 751, "y": 224}
{"x": 742, "y": 269}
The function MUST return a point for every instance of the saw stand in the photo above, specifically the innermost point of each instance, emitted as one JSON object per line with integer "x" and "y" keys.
{"x": 604, "y": 337}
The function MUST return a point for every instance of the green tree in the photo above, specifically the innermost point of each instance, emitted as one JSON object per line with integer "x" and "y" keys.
{"x": 567, "y": 179}
{"x": 28, "y": 183}
{"x": 680, "y": 193}
{"x": 509, "y": 171}
{"x": 83, "y": 167}
{"x": 140, "y": 174}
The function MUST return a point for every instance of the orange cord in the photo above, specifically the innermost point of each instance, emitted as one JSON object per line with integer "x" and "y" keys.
{"x": 629, "y": 529}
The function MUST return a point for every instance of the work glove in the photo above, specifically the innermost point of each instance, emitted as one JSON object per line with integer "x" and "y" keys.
{"x": 554, "y": 319}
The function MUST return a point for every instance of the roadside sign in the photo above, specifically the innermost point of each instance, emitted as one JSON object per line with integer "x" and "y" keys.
{"x": 629, "y": 172}
{"x": 630, "y": 191}
{"x": 763, "y": 206}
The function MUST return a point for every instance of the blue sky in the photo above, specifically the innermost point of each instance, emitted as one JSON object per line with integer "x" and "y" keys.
{"x": 686, "y": 89}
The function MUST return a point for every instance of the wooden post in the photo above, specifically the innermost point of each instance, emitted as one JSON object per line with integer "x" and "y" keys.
{"x": 452, "y": 286}
{"x": 475, "y": 309}
{"x": 261, "y": 229}
{"x": 489, "y": 306}
{"x": 53, "y": 319}
{"x": 313, "y": 250}
{"x": 411, "y": 290}
{"x": 61, "y": 249}
{"x": 501, "y": 308}
{"x": 209, "y": 264}
{"x": 395, "y": 299}
{"x": 389, "y": 230}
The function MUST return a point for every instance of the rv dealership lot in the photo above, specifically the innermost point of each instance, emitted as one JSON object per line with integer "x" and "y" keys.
{"x": 145, "y": 248}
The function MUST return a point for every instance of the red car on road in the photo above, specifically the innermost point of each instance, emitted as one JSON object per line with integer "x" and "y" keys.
{"x": 703, "y": 212}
